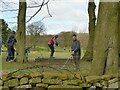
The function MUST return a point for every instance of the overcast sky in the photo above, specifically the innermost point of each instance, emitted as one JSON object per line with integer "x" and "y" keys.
{"x": 67, "y": 15}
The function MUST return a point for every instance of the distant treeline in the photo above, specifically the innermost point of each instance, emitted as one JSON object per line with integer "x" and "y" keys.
{"x": 64, "y": 40}
{"x": 37, "y": 38}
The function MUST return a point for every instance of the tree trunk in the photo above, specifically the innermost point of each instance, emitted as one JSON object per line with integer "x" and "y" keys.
{"x": 119, "y": 34}
{"x": 119, "y": 49}
{"x": 21, "y": 32}
{"x": 105, "y": 52}
{"x": 92, "y": 18}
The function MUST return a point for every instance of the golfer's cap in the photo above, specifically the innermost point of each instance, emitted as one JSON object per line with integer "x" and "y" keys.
{"x": 56, "y": 36}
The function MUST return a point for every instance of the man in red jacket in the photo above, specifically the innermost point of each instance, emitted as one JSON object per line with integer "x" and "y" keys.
{"x": 51, "y": 43}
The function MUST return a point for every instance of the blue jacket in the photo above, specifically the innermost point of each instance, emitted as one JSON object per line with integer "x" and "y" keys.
{"x": 10, "y": 41}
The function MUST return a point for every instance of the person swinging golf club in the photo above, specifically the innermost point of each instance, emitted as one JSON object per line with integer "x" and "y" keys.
{"x": 76, "y": 51}
{"x": 51, "y": 43}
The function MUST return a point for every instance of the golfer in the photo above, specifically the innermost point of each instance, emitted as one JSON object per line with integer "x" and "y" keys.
{"x": 76, "y": 51}
{"x": 51, "y": 43}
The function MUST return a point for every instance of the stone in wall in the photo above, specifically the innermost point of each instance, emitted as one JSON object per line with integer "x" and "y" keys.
{"x": 5, "y": 88}
{"x": 63, "y": 87}
{"x": 86, "y": 85}
{"x": 92, "y": 88}
{"x": 24, "y": 86}
{"x": 17, "y": 75}
{"x": 37, "y": 74}
{"x": 42, "y": 85}
{"x": 51, "y": 81}
{"x": 50, "y": 74}
{"x": 113, "y": 85}
{"x": 113, "y": 80}
{"x": 98, "y": 84}
{"x": 35, "y": 80}
{"x": 98, "y": 78}
{"x": 5, "y": 77}
{"x": 11, "y": 83}
{"x": 62, "y": 76}
{"x": 23, "y": 81}
{"x": 22, "y": 73}
{"x": 72, "y": 82}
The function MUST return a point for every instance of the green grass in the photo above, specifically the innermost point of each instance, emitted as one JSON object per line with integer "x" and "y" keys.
{"x": 10, "y": 66}
{"x": 46, "y": 54}
{"x": 33, "y": 54}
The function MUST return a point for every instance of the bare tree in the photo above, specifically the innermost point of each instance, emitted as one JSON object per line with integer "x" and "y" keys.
{"x": 35, "y": 30}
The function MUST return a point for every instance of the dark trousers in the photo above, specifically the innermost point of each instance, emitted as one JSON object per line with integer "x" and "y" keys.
{"x": 52, "y": 49}
{"x": 10, "y": 53}
{"x": 76, "y": 58}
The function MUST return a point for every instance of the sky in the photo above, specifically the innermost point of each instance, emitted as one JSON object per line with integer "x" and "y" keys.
{"x": 67, "y": 15}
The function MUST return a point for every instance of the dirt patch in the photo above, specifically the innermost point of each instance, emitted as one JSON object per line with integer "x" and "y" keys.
{"x": 55, "y": 61}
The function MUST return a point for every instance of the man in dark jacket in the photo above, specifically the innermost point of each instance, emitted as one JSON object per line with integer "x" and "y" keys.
{"x": 10, "y": 46}
{"x": 76, "y": 51}
{"x": 51, "y": 43}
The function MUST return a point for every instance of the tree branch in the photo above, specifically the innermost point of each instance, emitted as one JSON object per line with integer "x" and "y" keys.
{"x": 39, "y": 9}
{"x": 27, "y": 7}
{"x": 9, "y": 10}
{"x": 48, "y": 14}
{"x": 48, "y": 11}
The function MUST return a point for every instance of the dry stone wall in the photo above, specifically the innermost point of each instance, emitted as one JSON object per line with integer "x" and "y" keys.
{"x": 38, "y": 79}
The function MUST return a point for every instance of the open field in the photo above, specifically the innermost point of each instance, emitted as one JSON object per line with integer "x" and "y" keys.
{"x": 11, "y": 66}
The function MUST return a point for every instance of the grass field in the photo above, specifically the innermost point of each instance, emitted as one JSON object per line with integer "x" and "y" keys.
{"x": 11, "y": 66}
{"x": 32, "y": 55}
